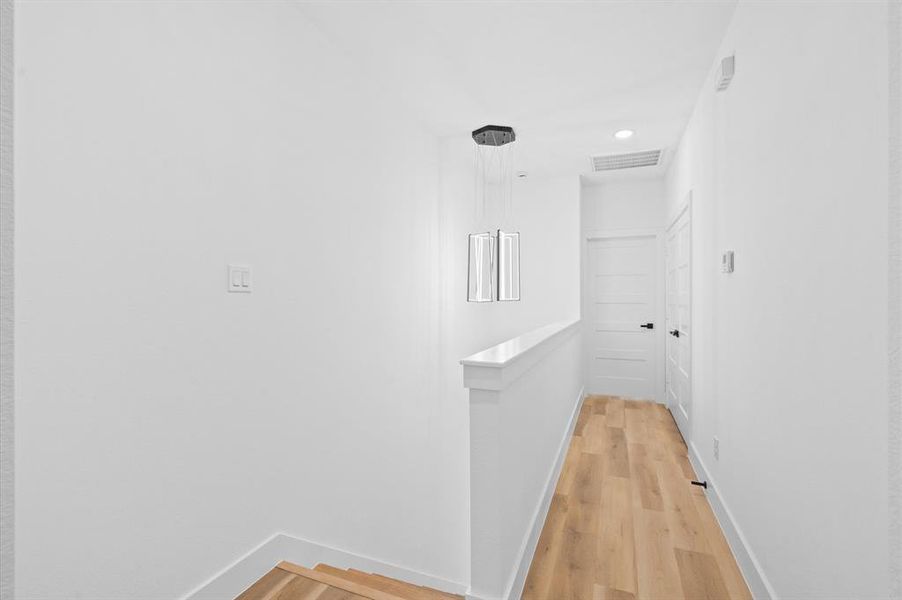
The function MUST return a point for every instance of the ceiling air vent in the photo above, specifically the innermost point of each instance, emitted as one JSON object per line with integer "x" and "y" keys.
{"x": 630, "y": 160}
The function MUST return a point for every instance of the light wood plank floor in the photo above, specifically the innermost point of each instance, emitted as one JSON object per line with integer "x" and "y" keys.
{"x": 625, "y": 522}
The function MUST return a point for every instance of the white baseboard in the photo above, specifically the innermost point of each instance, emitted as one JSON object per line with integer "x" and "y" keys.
{"x": 240, "y": 575}
{"x": 528, "y": 547}
{"x": 758, "y": 583}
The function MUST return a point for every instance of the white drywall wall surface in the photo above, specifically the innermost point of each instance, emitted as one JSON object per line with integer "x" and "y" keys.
{"x": 623, "y": 204}
{"x": 165, "y": 427}
{"x": 788, "y": 167}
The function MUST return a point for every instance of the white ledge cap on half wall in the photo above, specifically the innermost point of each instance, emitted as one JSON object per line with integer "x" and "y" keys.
{"x": 496, "y": 367}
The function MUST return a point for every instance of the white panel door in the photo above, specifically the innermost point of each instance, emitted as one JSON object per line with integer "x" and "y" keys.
{"x": 678, "y": 370}
{"x": 621, "y": 305}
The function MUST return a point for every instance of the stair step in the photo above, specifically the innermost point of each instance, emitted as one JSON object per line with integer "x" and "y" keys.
{"x": 415, "y": 592}
{"x": 402, "y": 589}
{"x": 333, "y": 579}
{"x": 358, "y": 578}
{"x": 393, "y": 586}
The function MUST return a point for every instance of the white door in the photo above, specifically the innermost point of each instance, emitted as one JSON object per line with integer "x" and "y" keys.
{"x": 678, "y": 370}
{"x": 621, "y": 305}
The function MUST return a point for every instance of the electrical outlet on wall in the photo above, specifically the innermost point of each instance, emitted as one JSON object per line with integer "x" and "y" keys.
{"x": 716, "y": 448}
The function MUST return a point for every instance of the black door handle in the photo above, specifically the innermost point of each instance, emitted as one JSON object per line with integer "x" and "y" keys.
{"x": 648, "y": 326}
{"x": 675, "y": 333}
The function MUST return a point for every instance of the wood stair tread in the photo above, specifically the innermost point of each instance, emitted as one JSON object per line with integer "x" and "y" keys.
{"x": 360, "y": 578}
{"x": 342, "y": 582}
{"x": 280, "y": 584}
{"x": 416, "y": 592}
{"x": 401, "y": 588}
{"x": 396, "y": 587}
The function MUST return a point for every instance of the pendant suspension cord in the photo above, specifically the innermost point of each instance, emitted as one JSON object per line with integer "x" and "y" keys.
{"x": 510, "y": 187}
{"x": 490, "y": 170}
{"x": 500, "y": 185}
{"x": 506, "y": 183}
{"x": 493, "y": 182}
{"x": 499, "y": 182}
{"x": 486, "y": 167}
{"x": 476, "y": 184}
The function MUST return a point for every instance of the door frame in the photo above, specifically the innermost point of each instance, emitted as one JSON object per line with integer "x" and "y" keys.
{"x": 685, "y": 425}
{"x": 595, "y": 235}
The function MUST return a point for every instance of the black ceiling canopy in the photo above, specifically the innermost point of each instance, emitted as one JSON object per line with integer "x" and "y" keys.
{"x": 494, "y": 135}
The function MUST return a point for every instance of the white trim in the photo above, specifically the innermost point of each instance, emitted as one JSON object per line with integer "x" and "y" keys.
{"x": 241, "y": 574}
{"x": 531, "y": 539}
{"x": 506, "y": 353}
{"x": 604, "y": 234}
{"x": 755, "y": 578}
{"x": 685, "y": 208}
{"x": 496, "y": 368}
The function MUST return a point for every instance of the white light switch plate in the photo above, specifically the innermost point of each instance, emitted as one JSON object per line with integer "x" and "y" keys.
{"x": 726, "y": 261}
{"x": 239, "y": 279}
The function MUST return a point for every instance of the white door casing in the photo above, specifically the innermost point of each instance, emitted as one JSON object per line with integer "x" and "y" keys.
{"x": 678, "y": 293}
{"x": 621, "y": 298}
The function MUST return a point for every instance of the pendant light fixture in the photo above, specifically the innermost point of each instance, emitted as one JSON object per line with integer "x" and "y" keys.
{"x": 494, "y": 255}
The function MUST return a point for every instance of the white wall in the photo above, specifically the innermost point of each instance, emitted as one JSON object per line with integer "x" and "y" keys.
{"x": 623, "y": 204}
{"x": 165, "y": 427}
{"x": 788, "y": 167}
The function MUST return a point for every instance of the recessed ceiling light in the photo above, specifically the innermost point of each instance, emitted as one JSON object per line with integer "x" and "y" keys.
{"x": 624, "y": 134}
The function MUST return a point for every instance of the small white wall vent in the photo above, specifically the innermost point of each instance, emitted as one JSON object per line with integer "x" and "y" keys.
{"x": 630, "y": 160}
{"x": 725, "y": 73}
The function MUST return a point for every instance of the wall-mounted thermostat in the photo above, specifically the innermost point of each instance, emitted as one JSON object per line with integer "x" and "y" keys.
{"x": 239, "y": 279}
{"x": 726, "y": 262}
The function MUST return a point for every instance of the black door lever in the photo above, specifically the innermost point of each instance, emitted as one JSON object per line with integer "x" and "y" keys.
{"x": 675, "y": 333}
{"x": 648, "y": 326}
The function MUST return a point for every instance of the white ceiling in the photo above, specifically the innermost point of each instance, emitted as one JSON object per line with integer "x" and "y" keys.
{"x": 564, "y": 74}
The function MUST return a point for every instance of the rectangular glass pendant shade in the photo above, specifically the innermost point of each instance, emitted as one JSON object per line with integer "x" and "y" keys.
{"x": 508, "y": 266}
{"x": 493, "y": 271}
{"x": 481, "y": 271}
